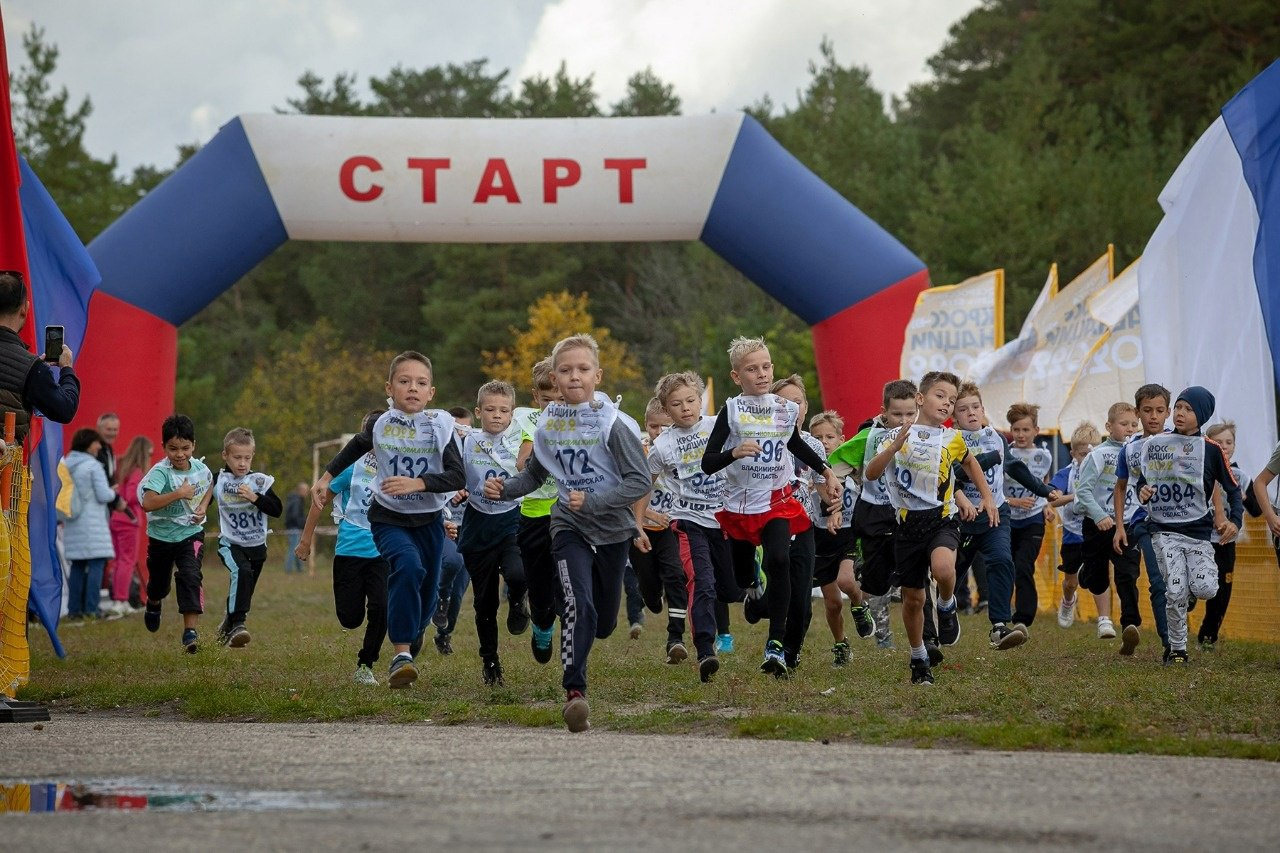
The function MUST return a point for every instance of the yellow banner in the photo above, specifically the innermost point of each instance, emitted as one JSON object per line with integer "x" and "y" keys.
{"x": 954, "y": 325}
{"x": 1113, "y": 369}
{"x": 1066, "y": 333}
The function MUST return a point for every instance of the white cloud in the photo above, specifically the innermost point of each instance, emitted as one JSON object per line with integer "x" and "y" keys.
{"x": 726, "y": 54}
{"x": 162, "y": 74}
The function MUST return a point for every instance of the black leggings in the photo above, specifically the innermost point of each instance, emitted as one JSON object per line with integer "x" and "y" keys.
{"x": 360, "y": 588}
{"x": 789, "y": 582}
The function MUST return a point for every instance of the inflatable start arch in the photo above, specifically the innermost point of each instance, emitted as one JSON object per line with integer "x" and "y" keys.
{"x": 265, "y": 179}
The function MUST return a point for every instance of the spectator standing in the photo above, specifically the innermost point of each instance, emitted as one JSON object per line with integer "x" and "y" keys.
{"x": 86, "y": 536}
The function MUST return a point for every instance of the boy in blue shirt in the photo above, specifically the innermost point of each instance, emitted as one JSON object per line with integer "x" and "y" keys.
{"x": 359, "y": 572}
{"x": 175, "y": 494}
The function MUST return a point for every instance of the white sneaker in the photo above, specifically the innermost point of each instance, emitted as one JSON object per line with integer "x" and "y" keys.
{"x": 1106, "y": 631}
{"x": 364, "y": 675}
{"x": 1067, "y": 613}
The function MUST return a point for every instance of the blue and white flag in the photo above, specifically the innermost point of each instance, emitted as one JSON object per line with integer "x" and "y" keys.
{"x": 1209, "y": 282}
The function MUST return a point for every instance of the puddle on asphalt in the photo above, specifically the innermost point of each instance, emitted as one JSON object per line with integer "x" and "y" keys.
{"x": 136, "y": 795}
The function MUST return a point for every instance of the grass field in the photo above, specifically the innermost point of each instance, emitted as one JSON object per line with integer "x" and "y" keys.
{"x": 1065, "y": 690}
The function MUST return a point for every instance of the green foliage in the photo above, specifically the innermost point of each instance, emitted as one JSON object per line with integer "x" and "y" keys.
{"x": 1045, "y": 132}
{"x": 307, "y": 390}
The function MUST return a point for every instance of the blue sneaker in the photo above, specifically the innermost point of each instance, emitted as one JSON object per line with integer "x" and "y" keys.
{"x": 190, "y": 640}
{"x": 724, "y": 644}
{"x": 540, "y": 643}
{"x": 775, "y": 662}
{"x": 402, "y": 672}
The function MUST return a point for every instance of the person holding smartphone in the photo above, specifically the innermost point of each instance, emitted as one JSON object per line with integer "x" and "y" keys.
{"x": 27, "y": 383}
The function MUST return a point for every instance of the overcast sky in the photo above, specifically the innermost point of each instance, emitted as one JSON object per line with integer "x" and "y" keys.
{"x": 164, "y": 72}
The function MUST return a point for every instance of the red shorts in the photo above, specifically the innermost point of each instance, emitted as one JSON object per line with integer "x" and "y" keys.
{"x": 746, "y": 528}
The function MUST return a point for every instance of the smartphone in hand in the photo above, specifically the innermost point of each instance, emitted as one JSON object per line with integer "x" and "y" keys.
{"x": 52, "y": 343}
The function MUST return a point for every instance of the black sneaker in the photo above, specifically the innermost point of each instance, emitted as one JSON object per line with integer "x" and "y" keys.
{"x": 707, "y": 667}
{"x": 754, "y": 609}
{"x": 862, "y": 621}
{"x": 1129, "y": 639}
{"x": 493, "y": 672}
{"x": 676, "y": 652}
{"x": 980, "y": 606}
{"x": 517, "y": 617}
{"x": 224, "y": 630}
{"x": 935, "y": 654}
{"x": 1165, "y": 658}
{"x": 443, "y": 646}
{"x": 238, "y": 637}
{"x": 440, "y": 619}
{"x": 841, "y": 653}
{"x": 416, "y": 646}
{"x": 921, "y": 673}
{"x": 1003, "y": 637}
{"x": 948, "y": 626}
{"x": 1176, "y": 657}
{"x": 152, "y": 618}
{"x": 190, "y": 641}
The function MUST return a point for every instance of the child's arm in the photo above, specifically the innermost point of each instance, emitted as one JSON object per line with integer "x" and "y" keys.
{"x": 522, "y": 458}
{"x": 1085, "y": 499}
{"x": 452, "y": 478}
{"x": 800, "y": 449}
{"x": 357, "y": 447}
{"x": 715, "y": 458}
{"x": 528, "y": 480}
{"x": 1230, "y": 495}
{"x": 152, "y": 501}
{"x": 877, "y": 466}
{"x": 269, "y": 503}
{"x": 988, "y": 502}
{"x": 303, "y": 551}
{"x": 636, "y": 481}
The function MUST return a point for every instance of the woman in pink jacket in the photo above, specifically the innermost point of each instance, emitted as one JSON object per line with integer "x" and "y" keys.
{"x": 129, "y": 534}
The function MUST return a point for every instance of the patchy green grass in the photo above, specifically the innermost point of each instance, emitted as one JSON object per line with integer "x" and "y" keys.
{"x": 1065, "y": 690}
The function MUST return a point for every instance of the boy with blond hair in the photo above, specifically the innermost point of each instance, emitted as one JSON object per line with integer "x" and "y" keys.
{"x": 1083, "y": 439}
{"x": 756, "y": 441}
{"x": 1095, "y": 499}
{"x": 590, "y": 450}
{"x": 245, "y": 501}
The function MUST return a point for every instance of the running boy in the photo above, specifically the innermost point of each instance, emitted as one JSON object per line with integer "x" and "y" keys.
{"x": 175, "y": 494}
{"x": 660, "y": 569}
{"x": 587, "y": 446}
{"x": 534, "y": 534}
{"x": 835, "y": 549}
{"x": 706, "y": 559}
{"x": 753, "y": 441}
{"x": 487, "y": 538}
{"x": 419, "y": 467}
{"x": 245, "y": 500}
{"x": 993, "y": 542}
{"x": 359, "y": 572}
{"x": 1224, "y": 549}
{"x": 1095, "y": 499}
{"x": 1152, "y": 402}
{"x": 1026, "y": 514}
{"x": 918, "y": 459}
{"x": 1179, "y": 470}
{"x": 874, "y": 522}
{"x": 1083, "y": 440}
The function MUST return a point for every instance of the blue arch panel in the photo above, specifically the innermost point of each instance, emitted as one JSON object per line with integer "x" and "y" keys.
{"x": 193, "y": 236}
{"x": 794, "y": 236}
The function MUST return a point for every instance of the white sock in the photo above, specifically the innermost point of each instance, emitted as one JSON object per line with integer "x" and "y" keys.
{"x": 919, "y": 653}
{"x": 948, "y": 605}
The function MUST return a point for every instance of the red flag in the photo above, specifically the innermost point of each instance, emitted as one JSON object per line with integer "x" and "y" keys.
{"x": 13, "y": 249}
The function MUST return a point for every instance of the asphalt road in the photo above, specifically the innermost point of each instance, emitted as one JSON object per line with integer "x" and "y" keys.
{"x": 381, "y": 787}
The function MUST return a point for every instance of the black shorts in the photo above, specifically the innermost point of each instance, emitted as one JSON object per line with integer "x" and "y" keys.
{"x": 919, "y": 534}
{"x": 1072, "y": 557}
{"x": 875, "y": 568}
{"x": 832, "y": 550}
